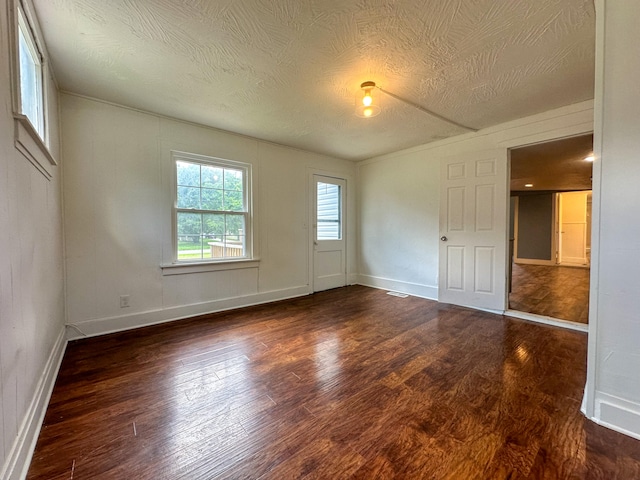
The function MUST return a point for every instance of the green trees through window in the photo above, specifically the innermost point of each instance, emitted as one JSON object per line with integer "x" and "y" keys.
{"x": 211, "y": 210}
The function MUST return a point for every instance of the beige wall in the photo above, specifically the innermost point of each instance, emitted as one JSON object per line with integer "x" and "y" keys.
{"x": 399, "y": 198}
{"x": 31, "y": 274}
{"x": 118, "y": 199}
{"x": 116, "y": 227}
{"x": 613, "y": 382}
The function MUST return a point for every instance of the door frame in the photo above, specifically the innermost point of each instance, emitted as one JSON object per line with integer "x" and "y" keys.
{"x": 595, "y": 226}
{"x": 346, "y": 225}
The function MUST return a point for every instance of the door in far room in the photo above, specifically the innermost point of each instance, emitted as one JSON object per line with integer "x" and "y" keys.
{"x": 574, "y": 211}
{"x": 329, "y": 245}
{"x": 473, "y": 226}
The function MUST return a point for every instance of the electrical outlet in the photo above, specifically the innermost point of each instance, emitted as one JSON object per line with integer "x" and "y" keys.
{"x": 124, "y": 301}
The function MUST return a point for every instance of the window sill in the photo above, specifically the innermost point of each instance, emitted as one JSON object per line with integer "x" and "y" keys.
{"x": 29, "y": 143}
{"x": 200, "y": 267}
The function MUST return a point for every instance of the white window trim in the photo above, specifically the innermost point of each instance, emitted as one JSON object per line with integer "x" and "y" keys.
{"x": 26, "y": 138}
{"x": 208, "y": 266}
{"x": 178, "y": 267}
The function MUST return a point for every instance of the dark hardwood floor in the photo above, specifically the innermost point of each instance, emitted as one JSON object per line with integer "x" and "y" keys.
{"x": 349, "y": 383}
{"x": 558, "y": 292}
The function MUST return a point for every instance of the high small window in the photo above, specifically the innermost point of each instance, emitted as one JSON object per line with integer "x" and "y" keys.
{"x": 212, "y": 215}
{"x": 30, "y": 66}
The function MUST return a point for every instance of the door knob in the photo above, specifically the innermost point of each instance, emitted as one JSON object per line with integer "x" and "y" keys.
{"x": 443, "y": 238}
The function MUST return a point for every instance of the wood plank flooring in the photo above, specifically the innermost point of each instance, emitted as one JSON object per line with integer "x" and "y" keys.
{"x": 349, "y": 383}
{"x": 558, "y": 292}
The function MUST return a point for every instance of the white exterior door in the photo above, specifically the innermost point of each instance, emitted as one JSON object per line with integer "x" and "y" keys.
{"x": 473, "y": 230}
{"x": 329, "y": 255}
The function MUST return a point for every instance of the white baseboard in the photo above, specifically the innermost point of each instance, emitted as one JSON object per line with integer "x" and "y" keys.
{"x": 102, "y": 326}
{"x": 17, "y": 463}
{"x": 533, "y": 261}
{"x": 574, "y": 262}
{"x": 575, "y": 265}
{"x": 415, "y": 289}
{"x": 532, "y": 317}
{"x": 617, "y": 414}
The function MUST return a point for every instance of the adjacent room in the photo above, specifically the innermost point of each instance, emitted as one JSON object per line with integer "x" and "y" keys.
{"x": 296, "y": 239}
{"x": 550, "y": 228}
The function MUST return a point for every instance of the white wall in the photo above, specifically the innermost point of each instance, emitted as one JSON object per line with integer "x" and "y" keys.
{"x": 31, "y": 279}
{"x": 117, "y": 224}
{"x": 118, "y": 200}
{"x": 399, "y": 203}
{"x": 398, "y": 200}
{"x": 613, "y": 385}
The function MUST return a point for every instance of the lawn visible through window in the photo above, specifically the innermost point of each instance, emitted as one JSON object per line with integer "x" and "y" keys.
{"x": 211, "y": 211}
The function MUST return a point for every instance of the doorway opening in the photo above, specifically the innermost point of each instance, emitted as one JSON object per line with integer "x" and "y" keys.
{"x": 550, "y": 229}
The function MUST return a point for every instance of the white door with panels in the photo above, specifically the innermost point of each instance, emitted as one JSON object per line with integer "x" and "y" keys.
{"x": 329, "y": 246}
{"x": 573, "y": 225}
{"x": 473, "y": 230}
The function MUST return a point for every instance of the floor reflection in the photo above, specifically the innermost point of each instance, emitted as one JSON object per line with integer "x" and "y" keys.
{"x": 553, "y": 291}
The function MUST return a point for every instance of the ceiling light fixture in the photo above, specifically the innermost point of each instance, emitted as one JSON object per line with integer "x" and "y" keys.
{"x": 528, "y": 185}
{"x": 367, "y": 107}
{"x": 590, "y": 158}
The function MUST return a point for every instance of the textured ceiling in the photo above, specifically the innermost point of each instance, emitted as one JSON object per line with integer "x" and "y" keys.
{"x": 288, "y": 71}
{"x": 553, "y": 166}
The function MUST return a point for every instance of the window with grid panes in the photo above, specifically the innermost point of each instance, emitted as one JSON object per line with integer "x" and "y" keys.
{"x": 212, "y": 215}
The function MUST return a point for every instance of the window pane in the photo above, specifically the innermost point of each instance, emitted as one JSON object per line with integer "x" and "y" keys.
{"x": 188, "y": 197}
{"x": 234, "y": 238}
{"x": 213, "y": 235}
{"x": 224, "y": 235}
{"x": 211, "y": 199}
{"x": 233, "y": 201}
{"x": 328, "y": 212}
{"x": 30, "y": 91}
{"x": 232, "y": 179}
{"x": 213, "y": 226}
{"x": 189, "y": 236}
{"x": 188, "y": 174}
{"x": 212, "y": 177}
{"x": 235, "y": 225}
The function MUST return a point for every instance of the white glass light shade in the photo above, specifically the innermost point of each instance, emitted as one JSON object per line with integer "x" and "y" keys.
{"x": 366, "y": 104}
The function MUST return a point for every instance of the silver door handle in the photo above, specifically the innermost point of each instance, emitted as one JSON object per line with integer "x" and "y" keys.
{"x": 443, "y": 238}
